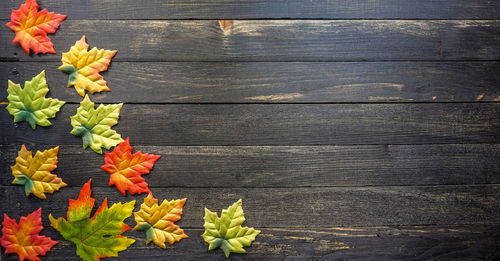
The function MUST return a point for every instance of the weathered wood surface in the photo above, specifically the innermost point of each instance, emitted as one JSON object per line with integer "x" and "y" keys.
{"x": 464, "y": 242}
{"x": 275, "y": 40}
{"x": 287, "y": 166}
{"x": 276, "y": 82}
{"x": 280, "y": 124}
{"x": 238, "y": 9}
{"x": 302, "y": 207}
{"x": 294, "y": 118}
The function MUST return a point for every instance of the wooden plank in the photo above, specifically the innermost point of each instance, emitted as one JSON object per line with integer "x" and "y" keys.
{"x": 288, "y": 207}
{"x": 275, "y": 40}
{"x": 276, "y": 82}
{"x": 477, "y": 242}
{"x": 237, "y": 9}
{"x": 280, "y": 124}
{"x": 288, "y": 166}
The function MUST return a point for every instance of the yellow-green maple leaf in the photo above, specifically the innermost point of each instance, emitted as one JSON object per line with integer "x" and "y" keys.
{"x": 94, "y": 125}
{"x": 83, "y": 67}
{"x": 226, "y": 232}
{"x": 29, "y": 104}
{"x": 35, "y": 172}
{"x": 158, "y": 221}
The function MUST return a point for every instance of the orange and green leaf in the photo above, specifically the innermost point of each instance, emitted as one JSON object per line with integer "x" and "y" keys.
{"x": 32, "y": 27}
{"x": 99, "y": 236}
{"x": 126, "y": 168}
{"x": 35, "y": 173}
{"x": 84, "y": 66}
{"x": 81, "y": 208}
{"x": 24, "y": 239}
{"x": 158, "y": 221}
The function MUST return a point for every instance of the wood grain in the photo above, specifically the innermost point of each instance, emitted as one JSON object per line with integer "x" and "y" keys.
{"x": 287, "y": 105}
{"x": 275, "y": 40}
{"x": 288, "y": 207}
{"x": 237, "y": 9}
{"x": 287, "y": 166}
{"x": 280, "y": 124}
{"x": 276, "y": 82}
{"x": 354, "y": 243}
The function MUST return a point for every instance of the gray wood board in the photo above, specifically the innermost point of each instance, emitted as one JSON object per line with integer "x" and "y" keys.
{"x": 280, "y": 124}
{"x": 275, "y": 82}
{"x": 286, "y": 166}
{"x": 274, "y": 40}
{"x": 238, "y": 9}
{"x": 475, "y": 242}
{"x": 301, "y": 207}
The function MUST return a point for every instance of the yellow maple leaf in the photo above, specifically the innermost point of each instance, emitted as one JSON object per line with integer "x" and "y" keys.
{"x": 35, "y": 172}
{"x": 83, "y": 67}
{"x": 158, "y": 221}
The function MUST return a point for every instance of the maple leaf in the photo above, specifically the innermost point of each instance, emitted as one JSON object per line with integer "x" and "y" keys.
{"x": 126, "y": 168}
{"x": 84, "y": 66}
{"x": 158, "y": 221}
{"x": 32, "y": 27}
{"x": 99, "y": 236}
{"x": 29, "y": 103}
{"x": 94, "y": 125}
{"x": 24, "y": 238}
{"x": 226, "y": 232}
{"x": 35, "y": 172}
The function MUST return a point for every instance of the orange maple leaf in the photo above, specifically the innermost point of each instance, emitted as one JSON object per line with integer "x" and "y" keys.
{"x": 126, "y": 168}
{"x": 32, "y": 27}
{"x": 24, "y": 238}
{"x": 158, "y": 220}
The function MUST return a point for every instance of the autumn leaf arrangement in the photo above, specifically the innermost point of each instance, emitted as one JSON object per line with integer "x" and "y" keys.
{"x": 99, "y": 235}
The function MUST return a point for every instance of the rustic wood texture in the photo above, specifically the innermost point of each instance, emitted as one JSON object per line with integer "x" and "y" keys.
{"x": 287, "y": 166}
{"x": 276, "y": 82}
{"x": 303, "y": 207}
{"x": 354, "y": 243}
{"x": 280, "y": 124}
{"x": 352, "y": 130}
{"x": 238, "y": 9}
{"x": 275, "y": 40}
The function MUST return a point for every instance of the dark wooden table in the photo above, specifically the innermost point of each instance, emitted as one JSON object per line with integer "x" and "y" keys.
{"x": 352, "y": 130}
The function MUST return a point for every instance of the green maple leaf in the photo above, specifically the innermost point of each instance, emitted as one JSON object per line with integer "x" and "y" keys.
{"x": 29, "y": 104}
{"x": 99, "y": 236}
{"x": 94, "y": 125}
{"x": 226, "y": 232}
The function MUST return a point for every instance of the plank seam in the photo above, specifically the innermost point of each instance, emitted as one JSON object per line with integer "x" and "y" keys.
{"x": 297, "y": 187}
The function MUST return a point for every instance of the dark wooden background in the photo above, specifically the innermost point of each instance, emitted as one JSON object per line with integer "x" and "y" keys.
{"x": 352, "y": 130}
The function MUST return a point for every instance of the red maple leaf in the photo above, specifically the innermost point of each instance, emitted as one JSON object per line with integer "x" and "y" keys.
{"x": 126, "y": 168}
{"x": 24, "y": 238}
{"x": 32, "y": 27}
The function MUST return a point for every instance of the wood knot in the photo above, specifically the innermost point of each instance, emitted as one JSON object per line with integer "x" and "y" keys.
{"x": 225, "y": 26}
